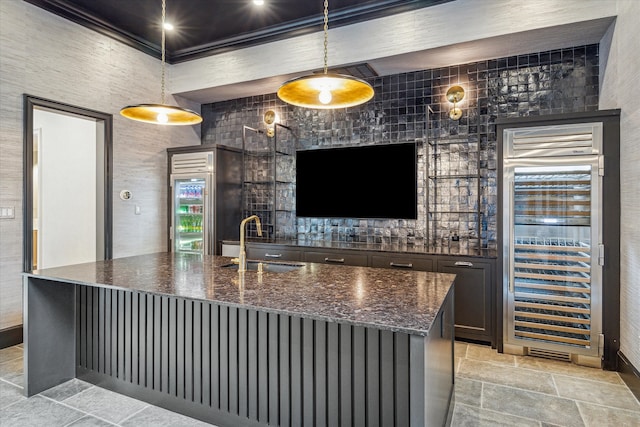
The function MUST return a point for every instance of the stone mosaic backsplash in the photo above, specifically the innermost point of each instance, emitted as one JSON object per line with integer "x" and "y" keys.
{"x": 459, "y": 212}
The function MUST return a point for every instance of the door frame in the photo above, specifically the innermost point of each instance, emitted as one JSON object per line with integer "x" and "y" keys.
{"x": 29, "y": 103}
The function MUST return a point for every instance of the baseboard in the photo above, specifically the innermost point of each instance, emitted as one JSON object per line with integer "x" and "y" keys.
{"x": 11, "y": 336}
{"x": 629, "y": 374}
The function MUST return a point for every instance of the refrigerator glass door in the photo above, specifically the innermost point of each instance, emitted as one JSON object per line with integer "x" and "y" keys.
{"x": 551, "y": 237}
{"x": 190, "y": 214}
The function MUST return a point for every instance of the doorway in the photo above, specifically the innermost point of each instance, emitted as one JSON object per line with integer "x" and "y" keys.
{"x": 67, "y": 184}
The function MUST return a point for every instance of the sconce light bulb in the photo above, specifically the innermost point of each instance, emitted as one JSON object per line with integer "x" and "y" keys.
{"x": 162, "y": 118}
{"x": 325, "y": 96}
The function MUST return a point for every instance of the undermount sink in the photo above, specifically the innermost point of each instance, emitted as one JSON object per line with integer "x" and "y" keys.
{"x": 267, "y": 267}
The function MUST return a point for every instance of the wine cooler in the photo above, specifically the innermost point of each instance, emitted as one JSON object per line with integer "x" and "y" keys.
{"x": 552, "y": 241}
{"x": 206, "y": 197}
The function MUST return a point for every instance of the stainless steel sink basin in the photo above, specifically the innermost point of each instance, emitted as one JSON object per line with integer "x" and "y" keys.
{"x": 267, "y": 267}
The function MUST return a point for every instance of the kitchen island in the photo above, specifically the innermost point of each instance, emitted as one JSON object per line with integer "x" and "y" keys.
{"x": 318, "y": 344}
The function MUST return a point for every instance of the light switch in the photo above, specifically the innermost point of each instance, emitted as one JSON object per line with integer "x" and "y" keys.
{"x": 7, "y": 212}
{"x": 137, "y": 210}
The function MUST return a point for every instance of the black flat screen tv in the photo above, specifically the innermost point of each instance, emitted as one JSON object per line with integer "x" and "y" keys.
{"x": 373, "y": 181}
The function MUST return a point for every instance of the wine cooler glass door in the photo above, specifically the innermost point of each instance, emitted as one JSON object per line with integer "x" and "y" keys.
{"x": 553, "y": 277}
{"x": 190, "y": 214}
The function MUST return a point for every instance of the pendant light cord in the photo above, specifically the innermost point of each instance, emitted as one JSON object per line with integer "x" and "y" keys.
{"x": 162, "y": 47}
{"x": 326, "y": 33}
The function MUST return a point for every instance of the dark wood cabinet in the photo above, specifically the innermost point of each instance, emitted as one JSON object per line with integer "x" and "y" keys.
{"x": 473, "y": 296}
{"x": 400, "y": 261}
{"x": 273, "y": 253}
{"x": 337, "y": 257}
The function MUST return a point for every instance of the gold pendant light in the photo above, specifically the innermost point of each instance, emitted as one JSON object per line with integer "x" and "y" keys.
{"x": 326, "y": 90}
{"x": 161, "y": 114}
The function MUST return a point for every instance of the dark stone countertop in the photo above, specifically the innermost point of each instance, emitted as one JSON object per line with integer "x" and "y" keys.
{"x": 396, "y": 300}
{"x": 375, "y": 247}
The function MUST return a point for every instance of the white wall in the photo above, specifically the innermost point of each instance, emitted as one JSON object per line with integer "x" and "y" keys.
{"x": 47, "y": 56}
{"x": 620, "y": 72}
{"x": 67, "y": 189}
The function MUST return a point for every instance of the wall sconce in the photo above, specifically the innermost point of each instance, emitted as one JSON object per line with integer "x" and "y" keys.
{"x": 455, "y": 95}
{"x": 270, "y": 119}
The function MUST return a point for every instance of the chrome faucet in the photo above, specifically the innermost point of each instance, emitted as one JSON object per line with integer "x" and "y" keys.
{"x": 242, "y": 258}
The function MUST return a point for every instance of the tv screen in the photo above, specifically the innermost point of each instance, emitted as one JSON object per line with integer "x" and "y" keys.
{"x": 373, "y": 181}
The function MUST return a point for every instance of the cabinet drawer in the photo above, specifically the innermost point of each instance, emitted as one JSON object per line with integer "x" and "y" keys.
{"x": 402, "y": 262}
{"x": 338, "y": 258}
{"x": 273, "y": 253}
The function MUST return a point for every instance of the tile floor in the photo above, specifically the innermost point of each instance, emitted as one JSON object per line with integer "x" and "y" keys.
{"x": 492, "y": 389}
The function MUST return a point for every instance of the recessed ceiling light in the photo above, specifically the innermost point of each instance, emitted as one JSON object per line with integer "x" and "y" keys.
{"x": 167, "y": 26}
{"x": 258, "y": 2}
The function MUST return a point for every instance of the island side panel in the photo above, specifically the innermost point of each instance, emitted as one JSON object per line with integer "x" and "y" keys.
{"x": 252, "y": 368}
{"x": 50, "y": 334}
{"x": 432, "y": 375}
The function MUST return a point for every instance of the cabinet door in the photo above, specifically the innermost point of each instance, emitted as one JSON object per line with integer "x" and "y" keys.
{"x": 400, "y": 262}
{"x": 273, "y": 253}
{"x": 336, "y": 257}
{"x": 473, "y": 297}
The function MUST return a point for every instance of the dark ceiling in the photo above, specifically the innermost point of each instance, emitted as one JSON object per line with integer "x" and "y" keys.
{"x": 206, "y": 27}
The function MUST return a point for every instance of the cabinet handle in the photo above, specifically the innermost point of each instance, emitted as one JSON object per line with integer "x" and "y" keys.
{"x": 464, "y": 264}
{"x": 393, "y": 264}
{"x": 335, "y": 260}
{"x": 267, "y": 255}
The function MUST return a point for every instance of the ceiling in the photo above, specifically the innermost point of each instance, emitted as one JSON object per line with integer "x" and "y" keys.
{"x": 207, "y": 27}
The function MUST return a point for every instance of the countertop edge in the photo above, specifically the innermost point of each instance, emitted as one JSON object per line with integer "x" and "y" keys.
{"x": 377, "y": 325}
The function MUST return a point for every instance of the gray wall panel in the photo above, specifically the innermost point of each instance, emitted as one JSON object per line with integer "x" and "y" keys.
{"x": 164, "y": 356}
{"x": 233, "y": 360}
{"x": 127, "y": 336}
{"x": 333, "y": 374}
{"x": 252, "y": 381}
{"x": 173, "y": 351}
{"x": 157, "y": 342}
{"x": 188, "y": 350}
{"x": 263, "y": 367}
{"x": 296, "y": 371}
{"x": 243, "y": 365}
{"x": 284, "y": 370}
{"x": 149, "y": 342}
{"x": 273, "y": 369}
{"x": 307, "y": 374}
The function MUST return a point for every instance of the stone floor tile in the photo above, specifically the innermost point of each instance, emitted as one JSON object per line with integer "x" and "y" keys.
{"x": 457, "y": 361}
{"x": 471, "y": 416}
{"x": 506, "y": 375}
{"x": 598, "y": 416}
{"x": 487, "y": 354}
{"x": 616, "y": 396}
{"x": 90, "y": 421}
{"x": 468, "y": 392}
{"x": 12, "y": 371}
{"x": 66, "y": 389}
{"x": 159, "y": 417}
{"x": 460, "y": 349}
{"x": 10, "y": 353}
{"x": 568, "y": 368}
{"x": 105, "y": 404}
{"x": 9, "y": 394}
{"x": 38, "y": 411}
{"x": 532, "y": 405}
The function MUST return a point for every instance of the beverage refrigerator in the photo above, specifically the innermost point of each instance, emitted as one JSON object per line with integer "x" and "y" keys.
{"x": 206, "y": 195}
{"x": 552, "y": 245}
